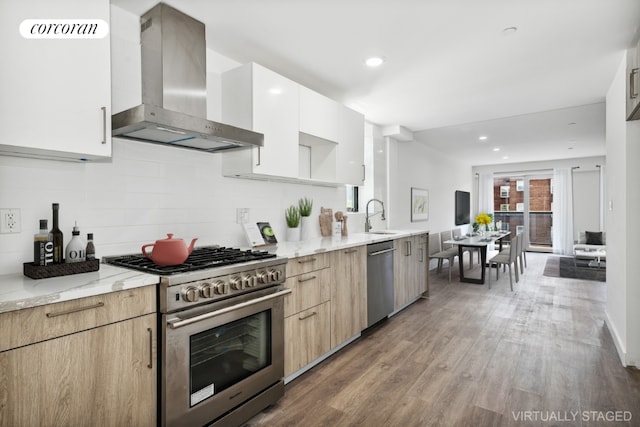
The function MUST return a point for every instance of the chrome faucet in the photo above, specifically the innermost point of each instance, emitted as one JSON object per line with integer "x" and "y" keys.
{"x": 367, "y": 224}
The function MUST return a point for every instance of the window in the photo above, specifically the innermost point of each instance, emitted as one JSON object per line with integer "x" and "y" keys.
{"x": 352, "y": 198}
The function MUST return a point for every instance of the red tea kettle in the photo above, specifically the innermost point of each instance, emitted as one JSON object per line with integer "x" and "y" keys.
{"x": 169, "y": 251}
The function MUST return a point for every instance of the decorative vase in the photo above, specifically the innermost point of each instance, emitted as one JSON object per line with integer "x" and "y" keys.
{"x": 293, "y": 234}
{"x": 306, "y": 228}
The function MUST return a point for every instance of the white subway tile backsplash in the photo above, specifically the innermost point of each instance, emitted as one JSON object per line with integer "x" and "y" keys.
{"x": 145, "y": 192}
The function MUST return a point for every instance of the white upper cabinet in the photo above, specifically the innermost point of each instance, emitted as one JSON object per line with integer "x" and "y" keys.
{"x": 56, "y": 93}
{"x": 256, "y": 98}
{"x": 307, "y": 136}
{"x": 318, "y": 115}
{"x": 350, "y": 148}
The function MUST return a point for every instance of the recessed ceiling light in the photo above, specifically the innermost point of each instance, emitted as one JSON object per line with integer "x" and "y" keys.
{"x": 482, "y": 138}
{"x": 509, "y": 31}
{"x": 275, "y": 91}
{"x": 496, "y": 149}
{"x": 374, "y": 61}
{"x": 505, "y": 157}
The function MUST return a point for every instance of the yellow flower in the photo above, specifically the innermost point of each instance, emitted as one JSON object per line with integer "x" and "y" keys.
{"x": 483, "y": 219}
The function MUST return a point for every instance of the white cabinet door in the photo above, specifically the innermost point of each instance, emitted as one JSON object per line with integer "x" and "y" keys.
{"x": 318, "y": 115}
{"x": 256, "y": 98}
{"x": 56, "y": 93}
{"x": 350, "y": 155}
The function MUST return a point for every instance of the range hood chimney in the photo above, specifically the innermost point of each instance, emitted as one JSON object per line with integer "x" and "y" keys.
{"x": 174, "y": 89}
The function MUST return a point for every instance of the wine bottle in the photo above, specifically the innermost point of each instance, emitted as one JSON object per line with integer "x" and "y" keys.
{"x": 58, "y": 240}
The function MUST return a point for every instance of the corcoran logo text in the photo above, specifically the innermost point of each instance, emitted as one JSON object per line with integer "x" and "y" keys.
{"x": 64, "y": 29}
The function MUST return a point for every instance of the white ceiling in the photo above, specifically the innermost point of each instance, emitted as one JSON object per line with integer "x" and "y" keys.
{"x": 450, "y": 73}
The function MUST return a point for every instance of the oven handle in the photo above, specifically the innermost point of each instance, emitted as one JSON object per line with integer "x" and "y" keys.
{"x": 177, "y": 323}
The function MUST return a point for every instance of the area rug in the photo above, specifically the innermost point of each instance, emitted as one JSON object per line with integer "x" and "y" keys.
{"x": 569, "y": 267}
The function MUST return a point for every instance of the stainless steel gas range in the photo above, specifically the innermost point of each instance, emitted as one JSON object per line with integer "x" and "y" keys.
{"x": 221, "y": 334}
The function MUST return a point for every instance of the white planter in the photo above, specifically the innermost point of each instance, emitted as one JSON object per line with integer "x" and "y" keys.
{"x": 306, "y": 227}
{"x": 293, "y": 234}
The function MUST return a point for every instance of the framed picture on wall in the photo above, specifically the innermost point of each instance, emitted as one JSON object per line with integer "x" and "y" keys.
{"x": 419, "y": 204}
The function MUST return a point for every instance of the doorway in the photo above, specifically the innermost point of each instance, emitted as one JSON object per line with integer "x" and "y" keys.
{"x": 523, "y": 204}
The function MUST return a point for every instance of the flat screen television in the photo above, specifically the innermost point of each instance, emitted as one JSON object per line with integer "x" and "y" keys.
{"x": 463, "y": 207}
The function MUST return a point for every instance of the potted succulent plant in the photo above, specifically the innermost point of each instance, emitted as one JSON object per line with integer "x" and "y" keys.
{"x": 292, "y": 216}
{"x": 305, "y": 206}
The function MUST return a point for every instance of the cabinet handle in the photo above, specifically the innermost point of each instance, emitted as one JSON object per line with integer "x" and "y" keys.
{"x": 307, "y": 279}
{"x": 408, "y": 248}
{"x": 104, "y": 125}
{"x": 307, "y": 316}
{"x": 421, "y": 259}
{"x": 364, "y": 173}
{"x": 150, "y": 365}
{"x": 74, "y": 310}
{"x": 632, "y": 84}
{"x": 384, "y": 251}
{"x": 307, "y": 260}
{"x": 350, "y": 251}
{"x": 259, "y": 159}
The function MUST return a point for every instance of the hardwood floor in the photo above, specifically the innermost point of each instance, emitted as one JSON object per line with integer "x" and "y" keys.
{"x": 469, "y": 356}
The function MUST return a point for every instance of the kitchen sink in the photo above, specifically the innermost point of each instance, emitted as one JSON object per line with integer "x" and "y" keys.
{"x": 380, "y": 232}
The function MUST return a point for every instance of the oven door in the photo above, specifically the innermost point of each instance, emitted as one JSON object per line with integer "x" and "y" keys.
{"x": 218, "y": 356}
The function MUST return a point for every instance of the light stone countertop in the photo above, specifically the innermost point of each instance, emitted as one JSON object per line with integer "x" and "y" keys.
{"x": 326, "y": 244}
{"x": 18, "y": 291}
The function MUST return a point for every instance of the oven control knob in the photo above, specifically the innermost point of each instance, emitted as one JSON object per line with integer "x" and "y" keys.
{"x": 190, "y": 294}
{"x": 275, "y": 275}
{"x": 249, "y": 281}
{"x": 206, "y": 290}
{"x": 263, "y": 277}
{"x": 221, "y": 287}
{"x": 236, "y": 283}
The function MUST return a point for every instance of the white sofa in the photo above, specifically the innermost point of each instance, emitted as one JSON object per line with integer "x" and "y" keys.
{"x": 588, "y": 245}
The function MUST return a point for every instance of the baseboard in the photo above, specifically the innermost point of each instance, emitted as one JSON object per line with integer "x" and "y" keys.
{"x": 620, "y": 347}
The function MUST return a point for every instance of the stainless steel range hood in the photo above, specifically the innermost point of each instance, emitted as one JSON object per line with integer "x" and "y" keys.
{"x": 174, "y": 89}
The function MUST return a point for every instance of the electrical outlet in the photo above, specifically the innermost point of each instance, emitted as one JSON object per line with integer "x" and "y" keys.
{"x": 242, "y": 215}
{"x": 10, "y": 221}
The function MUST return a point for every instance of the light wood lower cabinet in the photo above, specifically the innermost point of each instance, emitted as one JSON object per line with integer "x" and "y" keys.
{"x": 306, "y": 337}
{"x": 410, "y": 263}
{"x": 101, "y": 376}
{"x": 306, "y": 311}
{"x": 348, "y": 293}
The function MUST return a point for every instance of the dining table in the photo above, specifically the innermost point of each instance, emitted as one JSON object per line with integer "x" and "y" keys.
{"x": 481, "y": 242}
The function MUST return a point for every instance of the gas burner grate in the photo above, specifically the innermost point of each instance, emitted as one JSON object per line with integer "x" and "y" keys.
{"x": 201, "y": 258}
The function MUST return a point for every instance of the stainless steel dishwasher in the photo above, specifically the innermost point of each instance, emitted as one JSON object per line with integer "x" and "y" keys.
{"x": 379, "y": 281}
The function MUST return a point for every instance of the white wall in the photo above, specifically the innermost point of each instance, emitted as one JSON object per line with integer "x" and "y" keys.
{"x": 623, "y": 204}
{"x": 413, "y": 164}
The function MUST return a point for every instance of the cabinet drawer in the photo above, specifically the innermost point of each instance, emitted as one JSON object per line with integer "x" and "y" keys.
{"x": 23, "y": 327}
{"x": 306, "y": 337}
{"x": 307, "y": 290}
{"x": 305, "y": 264}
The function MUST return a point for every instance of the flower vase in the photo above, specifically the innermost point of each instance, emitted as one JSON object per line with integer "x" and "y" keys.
{"x": 293, "y": 234}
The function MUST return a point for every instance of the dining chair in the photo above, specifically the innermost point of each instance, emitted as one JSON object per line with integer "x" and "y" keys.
{"x": 457, "y": 234}
{"x": 522, "y": 254}
{"x": 507, "y": 258}
{"x": 519, "y": 244}
{"x": 436, "y": 252}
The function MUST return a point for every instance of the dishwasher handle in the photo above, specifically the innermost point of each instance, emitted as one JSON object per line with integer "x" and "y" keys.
{"x": 384, "y": 251}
